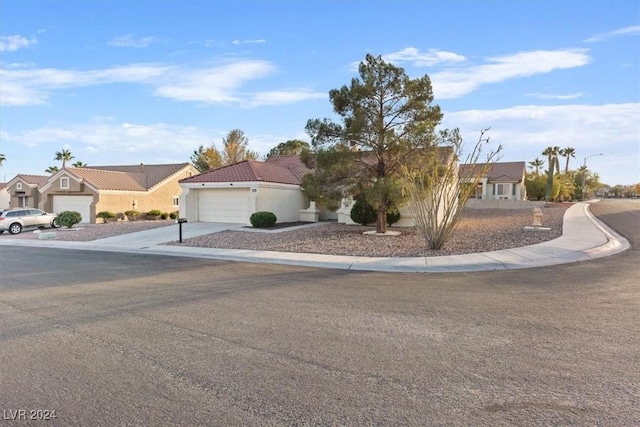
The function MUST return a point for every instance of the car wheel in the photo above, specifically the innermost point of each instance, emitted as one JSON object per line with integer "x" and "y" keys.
{"x": 54, "y": 224}
{"x": 15, "y": 228}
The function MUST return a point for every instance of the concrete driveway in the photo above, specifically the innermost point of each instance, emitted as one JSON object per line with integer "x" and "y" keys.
{"x": 162, "y": 235}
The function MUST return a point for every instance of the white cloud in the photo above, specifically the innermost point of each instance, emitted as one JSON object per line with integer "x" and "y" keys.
{"x": 257, "y": 41}
{"x": 633, "y": 30}
{"x": 285, "y": 97}
{"x": 457, "y": 82}
{"x": 101, "y": 141}
{"x": 423, "y": 59}
{"x": 12, "y": 43}
{"x": 574, "y": 95}
{"x": 129, "y": 41}
{"x": 524, "y": 131}
{"x": 217, "y": 84}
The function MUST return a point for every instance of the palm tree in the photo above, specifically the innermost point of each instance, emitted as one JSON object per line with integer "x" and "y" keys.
{"x": 567, "y": 152}
{"x": 79, "y": 164}
{"x": 52, "y": 169}
{"x": 2, "y": 159}
{"x": 536, "y": 164}
{"x": 64, "y": 155}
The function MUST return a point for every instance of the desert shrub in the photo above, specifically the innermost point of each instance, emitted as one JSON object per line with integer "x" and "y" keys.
{"x": 263, "y": 219}
{"x": 164, "y": 215}
{"x": 132, "y": 214}
{"x": 393, "y": 214}
{"x": 68, "y": 218}
{"x": 105, "y": 215}
{"x": 120, "y": 216}
{"x": 173, "y": 215}
{"x": 154, "y": 213}
{"x": 362, "y": 212}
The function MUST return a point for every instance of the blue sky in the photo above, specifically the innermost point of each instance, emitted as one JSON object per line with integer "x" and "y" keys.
{"x": 128, "y": 82}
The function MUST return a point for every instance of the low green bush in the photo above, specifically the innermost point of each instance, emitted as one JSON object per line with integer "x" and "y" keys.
{"x": 393, "y": 214}
{"x": 263, "y": 219}
{"x": 362, "y": 212}
{"x": 164, "y": 215}
{"x": 154, "y": 213}
{"x": 105, "y": 215}
{"x": 173, "y": 215}
{"x": 68, "y": 218}
{"x": 132, "y": 213}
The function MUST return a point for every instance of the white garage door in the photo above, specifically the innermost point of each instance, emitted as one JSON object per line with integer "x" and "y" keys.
{"x": 223, "y": 205}
{"x": 74, "y": 203}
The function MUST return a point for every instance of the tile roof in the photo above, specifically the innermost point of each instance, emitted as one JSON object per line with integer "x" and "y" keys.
{"x": 40, "y": 180}
{"x": 3, "y": 185}
{"x": 498, "y": 172}
{"x": 279, "y": 169}
{"x": 154, "y": 173}
{"x": 111, "y": 180}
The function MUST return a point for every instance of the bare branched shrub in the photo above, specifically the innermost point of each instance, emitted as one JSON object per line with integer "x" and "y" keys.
{"x": 437, "y": 192}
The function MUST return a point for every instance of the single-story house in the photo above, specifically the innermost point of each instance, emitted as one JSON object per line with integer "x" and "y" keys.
{"x": 503, "y": 180}
{"x": 4, "y": 196}
{"x": 232, "y": 193}
{"x": 117, "y": 189}
{"x": 24, "y": 190}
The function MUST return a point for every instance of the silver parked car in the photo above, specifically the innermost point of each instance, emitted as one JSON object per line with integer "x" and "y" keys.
{"x": 14, "y": 220}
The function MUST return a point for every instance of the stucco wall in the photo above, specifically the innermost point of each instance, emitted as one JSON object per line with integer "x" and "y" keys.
{"x": 285, "y": 203}
{"x": 32, "y": 194}
{"x": 4, "y": 199}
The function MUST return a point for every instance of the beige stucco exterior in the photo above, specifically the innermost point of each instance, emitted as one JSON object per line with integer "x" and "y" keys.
{"x": 160, "y": 197}
{"x": 284, "y": 200}
{"x": 23, "y": 194}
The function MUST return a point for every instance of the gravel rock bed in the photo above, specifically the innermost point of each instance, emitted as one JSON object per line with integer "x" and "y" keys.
{"x": 480, "y": 230}
{"x": 89, "y": 232}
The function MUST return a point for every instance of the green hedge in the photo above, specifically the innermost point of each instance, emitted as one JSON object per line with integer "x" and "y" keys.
{"x": 363, "y": 213}
{"x": 68, "y": 218}
{"x": 263, "y": 219}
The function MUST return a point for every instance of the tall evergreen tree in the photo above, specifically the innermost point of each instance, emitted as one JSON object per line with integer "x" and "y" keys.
{"x": 387, "y": 120}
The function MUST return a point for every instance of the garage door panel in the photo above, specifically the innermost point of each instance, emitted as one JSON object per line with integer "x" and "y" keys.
{"x": 223, "y": 205}
{"x": 81, "y": 204}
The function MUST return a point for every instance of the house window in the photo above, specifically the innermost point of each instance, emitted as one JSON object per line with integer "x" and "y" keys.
{"x": 64, "y": 183}
{"x": 175, "y": 201}
{"x": 23, "y": 202}
{"x": 500, "y": 190}
{"x": 19, "y": 186}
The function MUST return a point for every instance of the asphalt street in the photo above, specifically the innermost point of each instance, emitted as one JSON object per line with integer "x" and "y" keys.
{"x": 125, "y": 339}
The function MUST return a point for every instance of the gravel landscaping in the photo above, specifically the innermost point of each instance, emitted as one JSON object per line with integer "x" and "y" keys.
{"x": 480, "y": 230}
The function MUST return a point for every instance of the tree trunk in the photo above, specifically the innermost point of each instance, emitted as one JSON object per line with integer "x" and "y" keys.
{"x": 381, "y": 222}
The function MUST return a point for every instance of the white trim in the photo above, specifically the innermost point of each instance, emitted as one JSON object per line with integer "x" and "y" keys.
{"x": 18, "y": 186}
{"x": 62, "y": 180}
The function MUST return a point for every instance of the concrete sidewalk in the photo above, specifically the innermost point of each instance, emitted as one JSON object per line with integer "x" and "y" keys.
{"x": 584, "y": 238}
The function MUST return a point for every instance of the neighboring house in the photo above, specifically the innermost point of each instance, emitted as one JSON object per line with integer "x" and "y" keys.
{"x": 232, "y": 193}
{"x": 24, "y": 190}
{"x": 4, "y": 196}
{"x": 503, "y": 181}
{"x": 117, "y": 189}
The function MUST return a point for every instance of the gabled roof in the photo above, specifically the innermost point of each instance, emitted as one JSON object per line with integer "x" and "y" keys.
{"x": 38, "y": 180}
{"x": 279, "y": 169}
{"x": 122, "y": 178}
{"x": 498, "y": 172}
{"x": 110, "y": 180}
{"x": 154, "y": 173}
